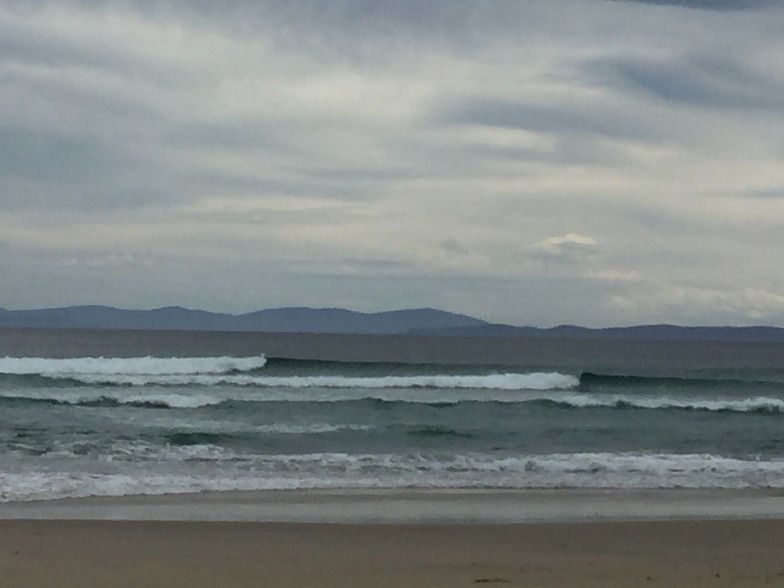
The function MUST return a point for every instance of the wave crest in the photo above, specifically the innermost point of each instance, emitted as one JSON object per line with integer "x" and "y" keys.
{"x": 32, "y": 372}
{"x": 42, "y": 372}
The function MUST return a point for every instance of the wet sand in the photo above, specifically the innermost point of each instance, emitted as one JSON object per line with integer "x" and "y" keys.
{"x": 415, "y": 506}
{"x": 192, "y": 554}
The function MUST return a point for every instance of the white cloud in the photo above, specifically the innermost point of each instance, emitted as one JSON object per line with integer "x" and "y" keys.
{"x": 697, "y": 305}
{"x": 572, "y": 249}
{"x": 562, "y": 243}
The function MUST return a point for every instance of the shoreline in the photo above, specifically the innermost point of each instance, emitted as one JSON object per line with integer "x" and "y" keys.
{"x": 399, "y": 539}
{"x": 395, "y": 506}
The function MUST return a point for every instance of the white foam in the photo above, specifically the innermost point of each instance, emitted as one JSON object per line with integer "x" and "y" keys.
{"x": 310, "y": 429}
{"x": 282, "y": 390}
{"x": 195, "y": 468}
{"x": 99, "y": 368}
{"x": 531, "y": 381}
{"x": 755, "y": 404}
{"x": 199, "y": 397}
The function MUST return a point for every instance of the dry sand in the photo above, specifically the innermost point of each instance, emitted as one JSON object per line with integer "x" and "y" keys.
{"x": 120, "y": 554}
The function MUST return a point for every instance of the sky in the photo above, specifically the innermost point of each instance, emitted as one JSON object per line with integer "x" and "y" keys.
{"x": 537, "y": 162}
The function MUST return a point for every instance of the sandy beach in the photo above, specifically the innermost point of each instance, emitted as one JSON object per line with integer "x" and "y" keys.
{"x": 738, "y": 553}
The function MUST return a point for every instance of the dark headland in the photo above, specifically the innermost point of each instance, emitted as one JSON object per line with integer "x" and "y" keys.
{"x": 421, "y": 321}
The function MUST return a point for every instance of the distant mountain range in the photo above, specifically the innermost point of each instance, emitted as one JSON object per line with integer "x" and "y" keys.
{"x": 758, "y": 334}
{"x": 283, "y": 320}
{"x": 421, "y": 321}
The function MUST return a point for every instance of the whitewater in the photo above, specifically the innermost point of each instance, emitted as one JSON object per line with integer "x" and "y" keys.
{"x": 111, "y": 425}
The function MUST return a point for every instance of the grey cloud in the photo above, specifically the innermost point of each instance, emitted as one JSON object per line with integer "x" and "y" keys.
{"x": 694, "y": 80}
{"x": 363, "y": 174}
{"x": 293, "y": 185}
{"x": 774, "y": 192}
{"x": 31, "y": 155}
{"x": 573, "y": 118}
{"x": 710, "y": 4}
{"x": 454, "y": 246}
{"x": 57, "y": 171}
{"x": 228, "y": 136}
{"x": 339, "y": 22}
{"x": 26, "y": 46}
{"x": 374, "y": 18}
{"x": 89, "y": 144}
{"x": 577, "y": 148}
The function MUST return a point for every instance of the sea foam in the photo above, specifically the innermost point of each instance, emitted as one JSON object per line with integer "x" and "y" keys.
{"x": 196, "y": 468}
{"x": 94, "y": 367}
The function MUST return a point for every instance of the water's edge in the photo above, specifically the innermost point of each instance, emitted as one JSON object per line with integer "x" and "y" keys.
{"x": 415, "y": 506}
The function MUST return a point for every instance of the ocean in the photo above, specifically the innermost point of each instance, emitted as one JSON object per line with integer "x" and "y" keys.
{"x": 114, "y": 413}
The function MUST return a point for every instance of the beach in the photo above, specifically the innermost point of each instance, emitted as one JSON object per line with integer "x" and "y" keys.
{"x": 686, "y": 553}
{"x": 397, "y": 539}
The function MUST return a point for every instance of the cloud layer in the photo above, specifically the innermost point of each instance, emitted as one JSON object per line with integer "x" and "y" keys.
{"x": 588, "y": 161}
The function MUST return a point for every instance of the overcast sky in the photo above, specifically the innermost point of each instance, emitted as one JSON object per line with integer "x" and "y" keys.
{"x": 594, "y": 162}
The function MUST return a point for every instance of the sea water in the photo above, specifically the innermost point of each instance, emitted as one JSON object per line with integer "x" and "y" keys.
{"x": 110, "y": 413}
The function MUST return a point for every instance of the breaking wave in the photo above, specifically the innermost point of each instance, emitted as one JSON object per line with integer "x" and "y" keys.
{"x": 237, "y": 398}
{"x": 94, "y": 367}
{"x": 245, "y": 371}
{"x": 590, "y": 380}
{"x": 367, "y": 471}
